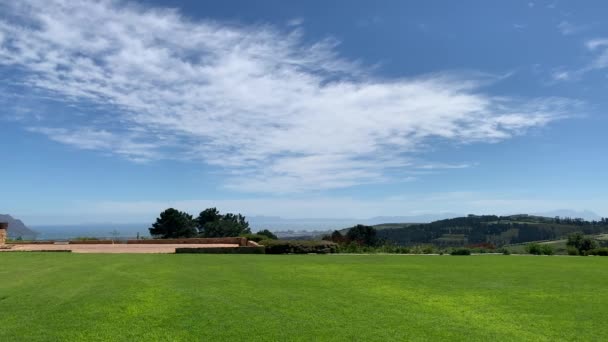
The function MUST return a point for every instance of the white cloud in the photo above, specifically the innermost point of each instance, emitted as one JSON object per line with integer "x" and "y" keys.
{"x": 295, "y": 22}
{"x": 435, "y": 166}
{"x": 599, "y": 46}
{"x": 596, "y": 43}
{"x": 561, "y": 75}
{"x": 568, "y": 28}
{"x": 126, "y": 144}
{"x": 277, "y": 114}
{"x": 519, "y": 27}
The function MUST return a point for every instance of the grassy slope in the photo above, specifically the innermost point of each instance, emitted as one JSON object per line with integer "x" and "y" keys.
{"x": 559, "y": 246}
{"x": 248, "y": 297}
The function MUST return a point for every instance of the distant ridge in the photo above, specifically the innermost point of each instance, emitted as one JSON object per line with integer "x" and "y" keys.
{"x": 584, "y": 214}
{"x": 16, "y": 228}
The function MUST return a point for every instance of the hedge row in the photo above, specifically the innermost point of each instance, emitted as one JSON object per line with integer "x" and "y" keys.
{"x": 226, "y": 240}
{"x": 461, "y": 251}
{"x": 221, "y": 250}
{"x": 298, "y": 247}
{"x": 599, "y": 251}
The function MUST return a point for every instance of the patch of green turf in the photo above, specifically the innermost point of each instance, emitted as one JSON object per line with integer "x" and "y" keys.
{"x": 86, "y": 297}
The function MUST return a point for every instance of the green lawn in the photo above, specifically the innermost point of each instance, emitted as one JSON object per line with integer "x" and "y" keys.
{"x": 86, "y": 297}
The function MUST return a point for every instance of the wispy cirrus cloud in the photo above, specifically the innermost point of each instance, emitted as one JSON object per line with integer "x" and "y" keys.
{"x": 598, "y": 46}
{"x": 276, "y": 113}
{"x": 567, "y": 28}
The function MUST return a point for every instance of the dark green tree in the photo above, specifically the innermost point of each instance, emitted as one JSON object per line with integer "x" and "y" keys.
{"x": 210, "y": 223}
{"x": 268, "y": 234}
{"x": 172, "y": 224}
{"x": 582, "y": 244}
{"x": 337, "y": 237}
{"x": 363, "y": 235}
{"x": 575, "y": 239}
{"x": 207, "y": 216}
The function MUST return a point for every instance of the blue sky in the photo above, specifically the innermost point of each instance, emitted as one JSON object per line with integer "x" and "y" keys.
{"x": 113, "y": 110}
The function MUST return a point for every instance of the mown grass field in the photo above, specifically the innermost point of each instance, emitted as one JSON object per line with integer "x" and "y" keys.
{"x": 86, "y": 297}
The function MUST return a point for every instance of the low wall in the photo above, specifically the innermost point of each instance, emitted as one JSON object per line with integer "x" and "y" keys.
{"x": 221, "y": 250}
{"x": 91, "y": 242}
{"x": 31, "y": 243}
{"x": 3, "y": 232}
{"x": 198, "y": 241}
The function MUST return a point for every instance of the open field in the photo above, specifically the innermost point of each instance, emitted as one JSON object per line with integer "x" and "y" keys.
{"x": 148, "y": 297}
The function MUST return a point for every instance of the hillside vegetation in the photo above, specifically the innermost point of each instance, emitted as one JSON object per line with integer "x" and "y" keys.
{"x": 497, "y": 230}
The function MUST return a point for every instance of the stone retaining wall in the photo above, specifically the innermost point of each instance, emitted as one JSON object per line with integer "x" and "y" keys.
{"x": 91, "y": 242}
{"x": 241, "y": 241}
{"x": 3, "y": 233}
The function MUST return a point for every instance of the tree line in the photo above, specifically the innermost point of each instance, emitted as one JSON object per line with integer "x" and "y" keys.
{"x": 210, "y": 223}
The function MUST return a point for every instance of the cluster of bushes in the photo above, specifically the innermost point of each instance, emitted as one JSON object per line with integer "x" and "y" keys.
{"x": 538, "y": 249}
{"x": 359, "y": 234}
{"x": 469, "y": 251}
{"x": 599, "y": 251}
{"x": 578, "y": 244}
{"x": 461, "y": 251}
{"x": 504, "y": 251}
{"x": 299, "y": 247}
{"x": 356, "y": 248}
{"x": 389, "y": 249}
{"x": 220, "y": 250}
{"x": 260, "y": 236}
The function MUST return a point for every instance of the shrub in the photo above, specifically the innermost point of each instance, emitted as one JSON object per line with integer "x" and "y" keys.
{"x": 427, "y": 249}
{"x": 220, "y": 250}
{"x": 255, "y": 237}
{"x": 581, "y": 243}
{"x": 534, "y": 248}
{"x": 416, "y": 250}
{"x": 461, "y": 251}
{"x": 599, "y": 251}
{"x": 480, "y": 250}
{"x": 504, "y": 251}
{"x": 391, "y": 249}
{"x": 356, "y": 248}
{"x": 547, "y": 249}
{"x": 403, "y": 250}
{"x": 363, "y": 235}
{"x": 572, "y": 251}
{"x": 84, "y": 238}
{"x": 350, "y": 248}
{"x": 299, "y": 246}
{"x": 268, "y": 234}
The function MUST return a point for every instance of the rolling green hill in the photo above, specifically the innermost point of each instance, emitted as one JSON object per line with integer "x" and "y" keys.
{"x": 497, "y": 230}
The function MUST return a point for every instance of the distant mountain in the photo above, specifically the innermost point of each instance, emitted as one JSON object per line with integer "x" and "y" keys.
{"x": 16, "y": 228}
